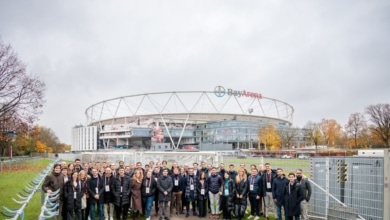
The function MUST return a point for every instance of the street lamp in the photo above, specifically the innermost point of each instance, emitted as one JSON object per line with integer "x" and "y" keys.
{"x": 250, "y": 127}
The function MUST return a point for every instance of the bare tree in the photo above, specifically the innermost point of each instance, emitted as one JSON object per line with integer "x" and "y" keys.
{"x": 286, "y": 135}
{"x": 21, "y": 94}
{"x": 380, "y": 117}
{"x": 355, "y": 127}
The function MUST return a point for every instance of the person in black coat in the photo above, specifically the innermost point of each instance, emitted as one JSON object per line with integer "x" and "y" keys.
{"x": 190, "y": 191}
{"x": 73, "y": 191}
{"x": 95, "y": 191}
{"x": 293, "y": 195}
{"x": 227, "y": 196}
{"x": 177, "y": 190}
{"x": 108, "y": 181}
{"x": 156, "y": 175}
{"x": 148, "y": 190}
{"x": 164, "y": 186}
{"x": 121, "y": 191}
{"x": 203, "y": 194}
{"x": 241, "y": 185}
{"x": 278, "y": 187}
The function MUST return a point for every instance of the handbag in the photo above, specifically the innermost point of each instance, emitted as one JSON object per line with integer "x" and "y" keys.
{"x": 84, "y": 202}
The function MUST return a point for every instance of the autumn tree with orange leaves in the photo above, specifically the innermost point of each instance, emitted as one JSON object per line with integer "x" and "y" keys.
{"x": 269, "y": 137}
{"x": 22, "y": 96}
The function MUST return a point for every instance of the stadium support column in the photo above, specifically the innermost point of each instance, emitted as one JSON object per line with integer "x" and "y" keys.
{"x": 250, "y": 127}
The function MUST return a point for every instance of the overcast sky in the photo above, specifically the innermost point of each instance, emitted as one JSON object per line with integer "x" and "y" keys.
{"x": 328, "y": 59}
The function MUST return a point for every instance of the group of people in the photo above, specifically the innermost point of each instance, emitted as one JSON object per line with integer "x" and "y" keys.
{"x": 180, "y": 190}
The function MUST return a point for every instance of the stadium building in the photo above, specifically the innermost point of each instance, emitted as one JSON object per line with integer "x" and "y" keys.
{"x": 223, "y": 119}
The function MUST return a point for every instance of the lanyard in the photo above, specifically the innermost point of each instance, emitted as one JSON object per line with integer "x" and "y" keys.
{"x": 268, "y": 177}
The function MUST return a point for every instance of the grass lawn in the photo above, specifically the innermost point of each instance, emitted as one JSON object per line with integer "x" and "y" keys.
{"x": 13, "y": 182}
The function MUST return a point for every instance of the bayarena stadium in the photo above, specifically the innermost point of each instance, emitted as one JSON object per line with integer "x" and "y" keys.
{"x": 222, "y": 119}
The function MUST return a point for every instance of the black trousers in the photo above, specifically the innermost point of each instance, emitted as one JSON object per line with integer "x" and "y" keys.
{"x": 202, "y": 207}
{"x": 69, "y": 214}
{"x": 122, "y": 210}
{"x": 193, "y": 202}
{"x": 224, "y": 205}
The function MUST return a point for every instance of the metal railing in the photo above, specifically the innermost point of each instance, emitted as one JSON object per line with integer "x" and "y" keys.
{"x": 27, "y": 194}
{"x": 17, "y": 163}
{"x": 50, "y": 205}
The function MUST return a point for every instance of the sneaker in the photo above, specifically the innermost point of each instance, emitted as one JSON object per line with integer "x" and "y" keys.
{"x": 251, "y": 216}
{"x": 257, "y": 218}
{"x": 195, "y": 214}
{"x": 187, "y": 214}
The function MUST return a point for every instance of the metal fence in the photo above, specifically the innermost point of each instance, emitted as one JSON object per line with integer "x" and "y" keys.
{"x": 342, "y": 187}
{"x": 17, "y": 163}
{"x": 350, "y": 188}
{"x": 26, "y": 195}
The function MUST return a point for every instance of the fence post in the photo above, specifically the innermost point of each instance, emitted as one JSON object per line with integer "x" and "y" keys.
{"x": 386, "y": 184}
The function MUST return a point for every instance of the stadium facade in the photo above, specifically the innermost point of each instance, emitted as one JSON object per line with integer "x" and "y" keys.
{"x": 223, "y": 119}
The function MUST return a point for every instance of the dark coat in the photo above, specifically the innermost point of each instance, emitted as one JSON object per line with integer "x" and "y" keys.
{"x": 214, "y": 183}
{"x": 108, "y": 195}
{"x": 256, "y": 180}
{"x": 69, "y": 190}
{"x": 190, "y": 195}
{"x": 54, "y": 181}
{"x": 152, "y": 187}
{"x": 232, "y": 194}
{"x": 293, "y": 195}
{"x": 181, "y": 183}
{"x": 92, "y": 184}
{"x": 116, "y": 189}
{"x": 241, "y": 203}
{"x": 242, "y": 189}
{"x": 199, "y": 187}
{"x": 263, "y": 182}
{"x": 278, "y": 187}
{"x": 164, "y": 183}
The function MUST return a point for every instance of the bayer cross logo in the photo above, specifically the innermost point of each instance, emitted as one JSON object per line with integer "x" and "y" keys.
{"x": 219, "y": 91}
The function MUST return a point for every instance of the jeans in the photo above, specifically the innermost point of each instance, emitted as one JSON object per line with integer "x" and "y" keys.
{"x": 254, "y": 205}
{"x": 214, "y": 198}
{"x": 92, "y": 210}
{"x": 148, "y": 204}
{"x": 279, "y": 211}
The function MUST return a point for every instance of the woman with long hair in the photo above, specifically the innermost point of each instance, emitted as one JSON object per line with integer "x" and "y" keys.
{"x": 241, "y": 194}
{"x": 70, "y": 168}
{"x": 227, "y": 196}
{"x": 83, "y": 177}
{"x": 202, "y": 192}
{"x": 73, "y": 191}
{"x": 136, "y": 196}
